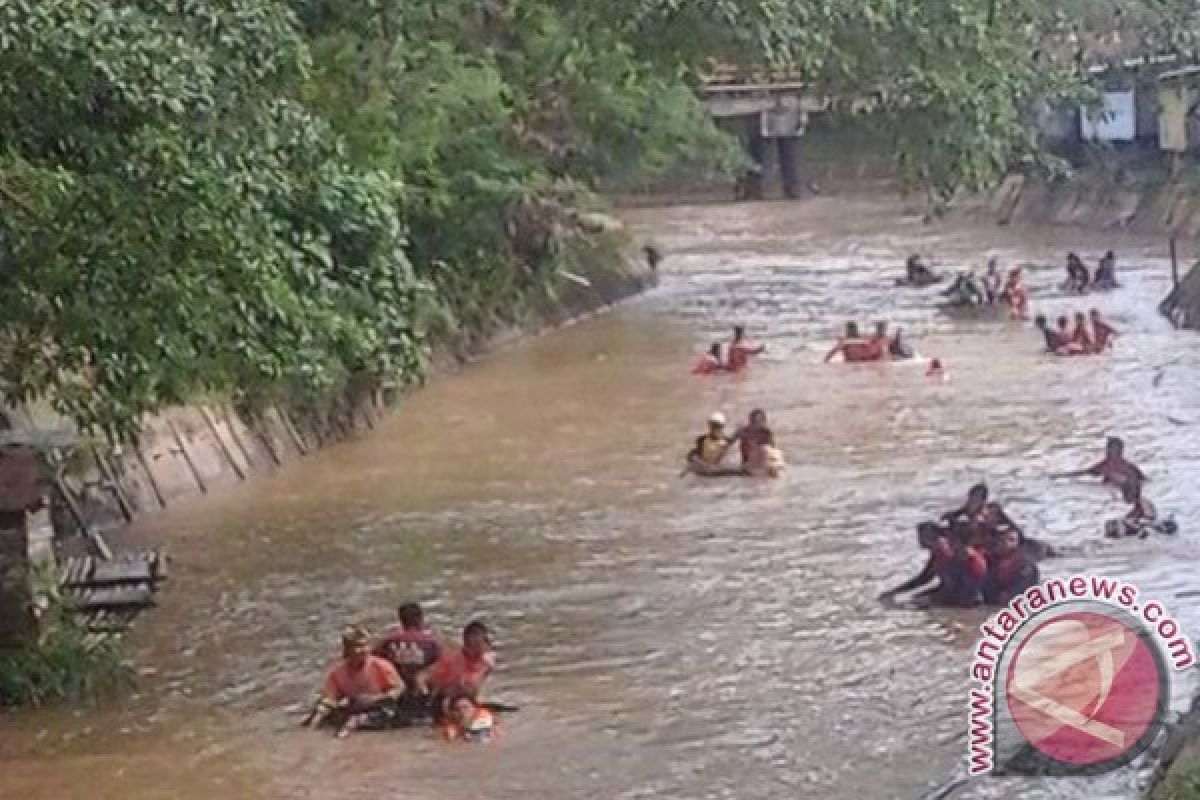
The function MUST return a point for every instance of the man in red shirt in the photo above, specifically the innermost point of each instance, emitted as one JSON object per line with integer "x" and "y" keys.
{"x": 361, "y": 689}
{"x": 462, "y": 671}
{"x": 740, "y": 350}
{"x": 1113, "y": 469}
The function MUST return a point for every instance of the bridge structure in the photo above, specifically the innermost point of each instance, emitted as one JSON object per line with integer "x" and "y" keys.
{"x": 770, "y": 111}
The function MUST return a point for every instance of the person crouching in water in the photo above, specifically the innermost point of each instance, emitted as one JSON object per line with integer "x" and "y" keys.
{"x": 711, "y": 362}
{"x": 757, "y": 445}
{"x": 412, "y": 649}
{"x": 467, "y": 722}
{"x": 1142, "y": 517}
{"x": 462, "y": 671}
{"x": 361, "y": 690}
{"x": 709, "y": 451}
{"x": 1010, "y": 570}
{"x": 898, "y": 348}
{"x": 1054, "y": 341}
{"x": 960, "y": 571}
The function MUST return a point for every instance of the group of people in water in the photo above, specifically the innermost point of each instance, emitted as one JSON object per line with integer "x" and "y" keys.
{"x": 1081, "y": 280}
{"x": 1090, "y": 335}
{"x": 406, "y": 677}
{"x": 756, "y": 446}
{"x": 853, "y": 347}
{"x": 737, "y": 357}
{"x": 979, "y": 556}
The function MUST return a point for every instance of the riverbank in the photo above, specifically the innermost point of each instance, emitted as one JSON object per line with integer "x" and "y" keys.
{"x": 202, "y": 448}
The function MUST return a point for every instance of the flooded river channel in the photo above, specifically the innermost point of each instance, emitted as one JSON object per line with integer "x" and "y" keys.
{"x": 664, "y": 637}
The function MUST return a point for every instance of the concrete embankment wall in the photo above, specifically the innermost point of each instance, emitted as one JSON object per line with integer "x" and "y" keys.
{"x": 199, "y": 449}
{"x": 1171, "y": 209}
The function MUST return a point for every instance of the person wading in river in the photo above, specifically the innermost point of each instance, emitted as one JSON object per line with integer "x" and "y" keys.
{"x": 979, "y": 522}
{"x": 754, "y": 438}
{"x": 958, "y": 569}
{"x": 412, "y": 649}
{"x": 361, "y": 690}
{"x": 740, "y": 351}
{"x": 462, "y": 670}
{"x": 855, "y": 349}
{"x": 711, "y": 362}
{"x": 709, "y": 451}
{"x": 1113, "y": 469}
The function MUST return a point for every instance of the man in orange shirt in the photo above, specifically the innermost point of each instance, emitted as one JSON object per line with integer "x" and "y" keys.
{"x": 361, "y": 690}
{"x": 462, "y": 671}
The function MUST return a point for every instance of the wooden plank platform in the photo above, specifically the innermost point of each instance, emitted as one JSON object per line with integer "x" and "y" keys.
{"x": 108, "y": 595}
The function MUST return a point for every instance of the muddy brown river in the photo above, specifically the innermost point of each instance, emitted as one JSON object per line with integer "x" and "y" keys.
{"x": 664, "y": 637}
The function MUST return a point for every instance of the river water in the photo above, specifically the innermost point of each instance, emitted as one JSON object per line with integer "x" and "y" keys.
{"x": 663, "y": 636}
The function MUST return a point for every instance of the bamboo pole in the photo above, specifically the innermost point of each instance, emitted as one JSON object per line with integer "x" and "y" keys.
{"x": 187, "y": 457}
{"x": 212, "y": 427}
{"x": 158, "y": 495}
{"x": 233, "y": 434}
{"x": 118, "y": 491}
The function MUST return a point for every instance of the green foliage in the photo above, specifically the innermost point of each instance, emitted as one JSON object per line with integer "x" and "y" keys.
{"x": 278, "y": 198}
{"x": 66, "y": 665}
{"x": 175, "y": 221}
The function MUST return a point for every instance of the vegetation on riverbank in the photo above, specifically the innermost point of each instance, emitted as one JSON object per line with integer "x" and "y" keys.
{"x": 65, "y": 664}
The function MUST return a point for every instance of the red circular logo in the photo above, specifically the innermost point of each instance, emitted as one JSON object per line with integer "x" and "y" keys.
{"x": 1085, "y": 688}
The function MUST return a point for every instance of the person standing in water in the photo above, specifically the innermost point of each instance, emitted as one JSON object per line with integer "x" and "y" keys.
{"x": 740, "y": 350}
{"x": 1114, "y": 469}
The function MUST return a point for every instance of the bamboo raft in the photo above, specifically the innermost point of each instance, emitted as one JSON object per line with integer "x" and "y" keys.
{"x": 108, "y": 595}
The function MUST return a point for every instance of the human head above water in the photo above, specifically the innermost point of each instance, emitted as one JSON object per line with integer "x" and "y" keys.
{"x": 411, "y": 616}
{"x": 1114, "y": 446}
{"x": 739, "y": 333}
{"x": 852, "y": 330}
{"x": 1063, "y": 322}
{"x": 758, "y": 417}
{"x": 716, "y": 422}
{"x": 1040, "y": 321}
{"x": 477, "y": 639}
{"x": 356, "y": 644}
{"x": 977, "y": 496}
{"x": 881, "y": 328}
{"x": 715, "y": 350}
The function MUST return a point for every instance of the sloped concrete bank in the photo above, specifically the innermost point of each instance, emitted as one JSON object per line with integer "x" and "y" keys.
{"x": 199, "y": 449}
{"x": 1170, "y": 209}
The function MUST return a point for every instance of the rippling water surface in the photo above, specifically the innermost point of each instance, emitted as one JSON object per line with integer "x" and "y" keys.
{"x": 663, "y": 637}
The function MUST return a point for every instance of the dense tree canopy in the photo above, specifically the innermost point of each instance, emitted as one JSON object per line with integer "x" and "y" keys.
{"x": 260, "y": 197}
